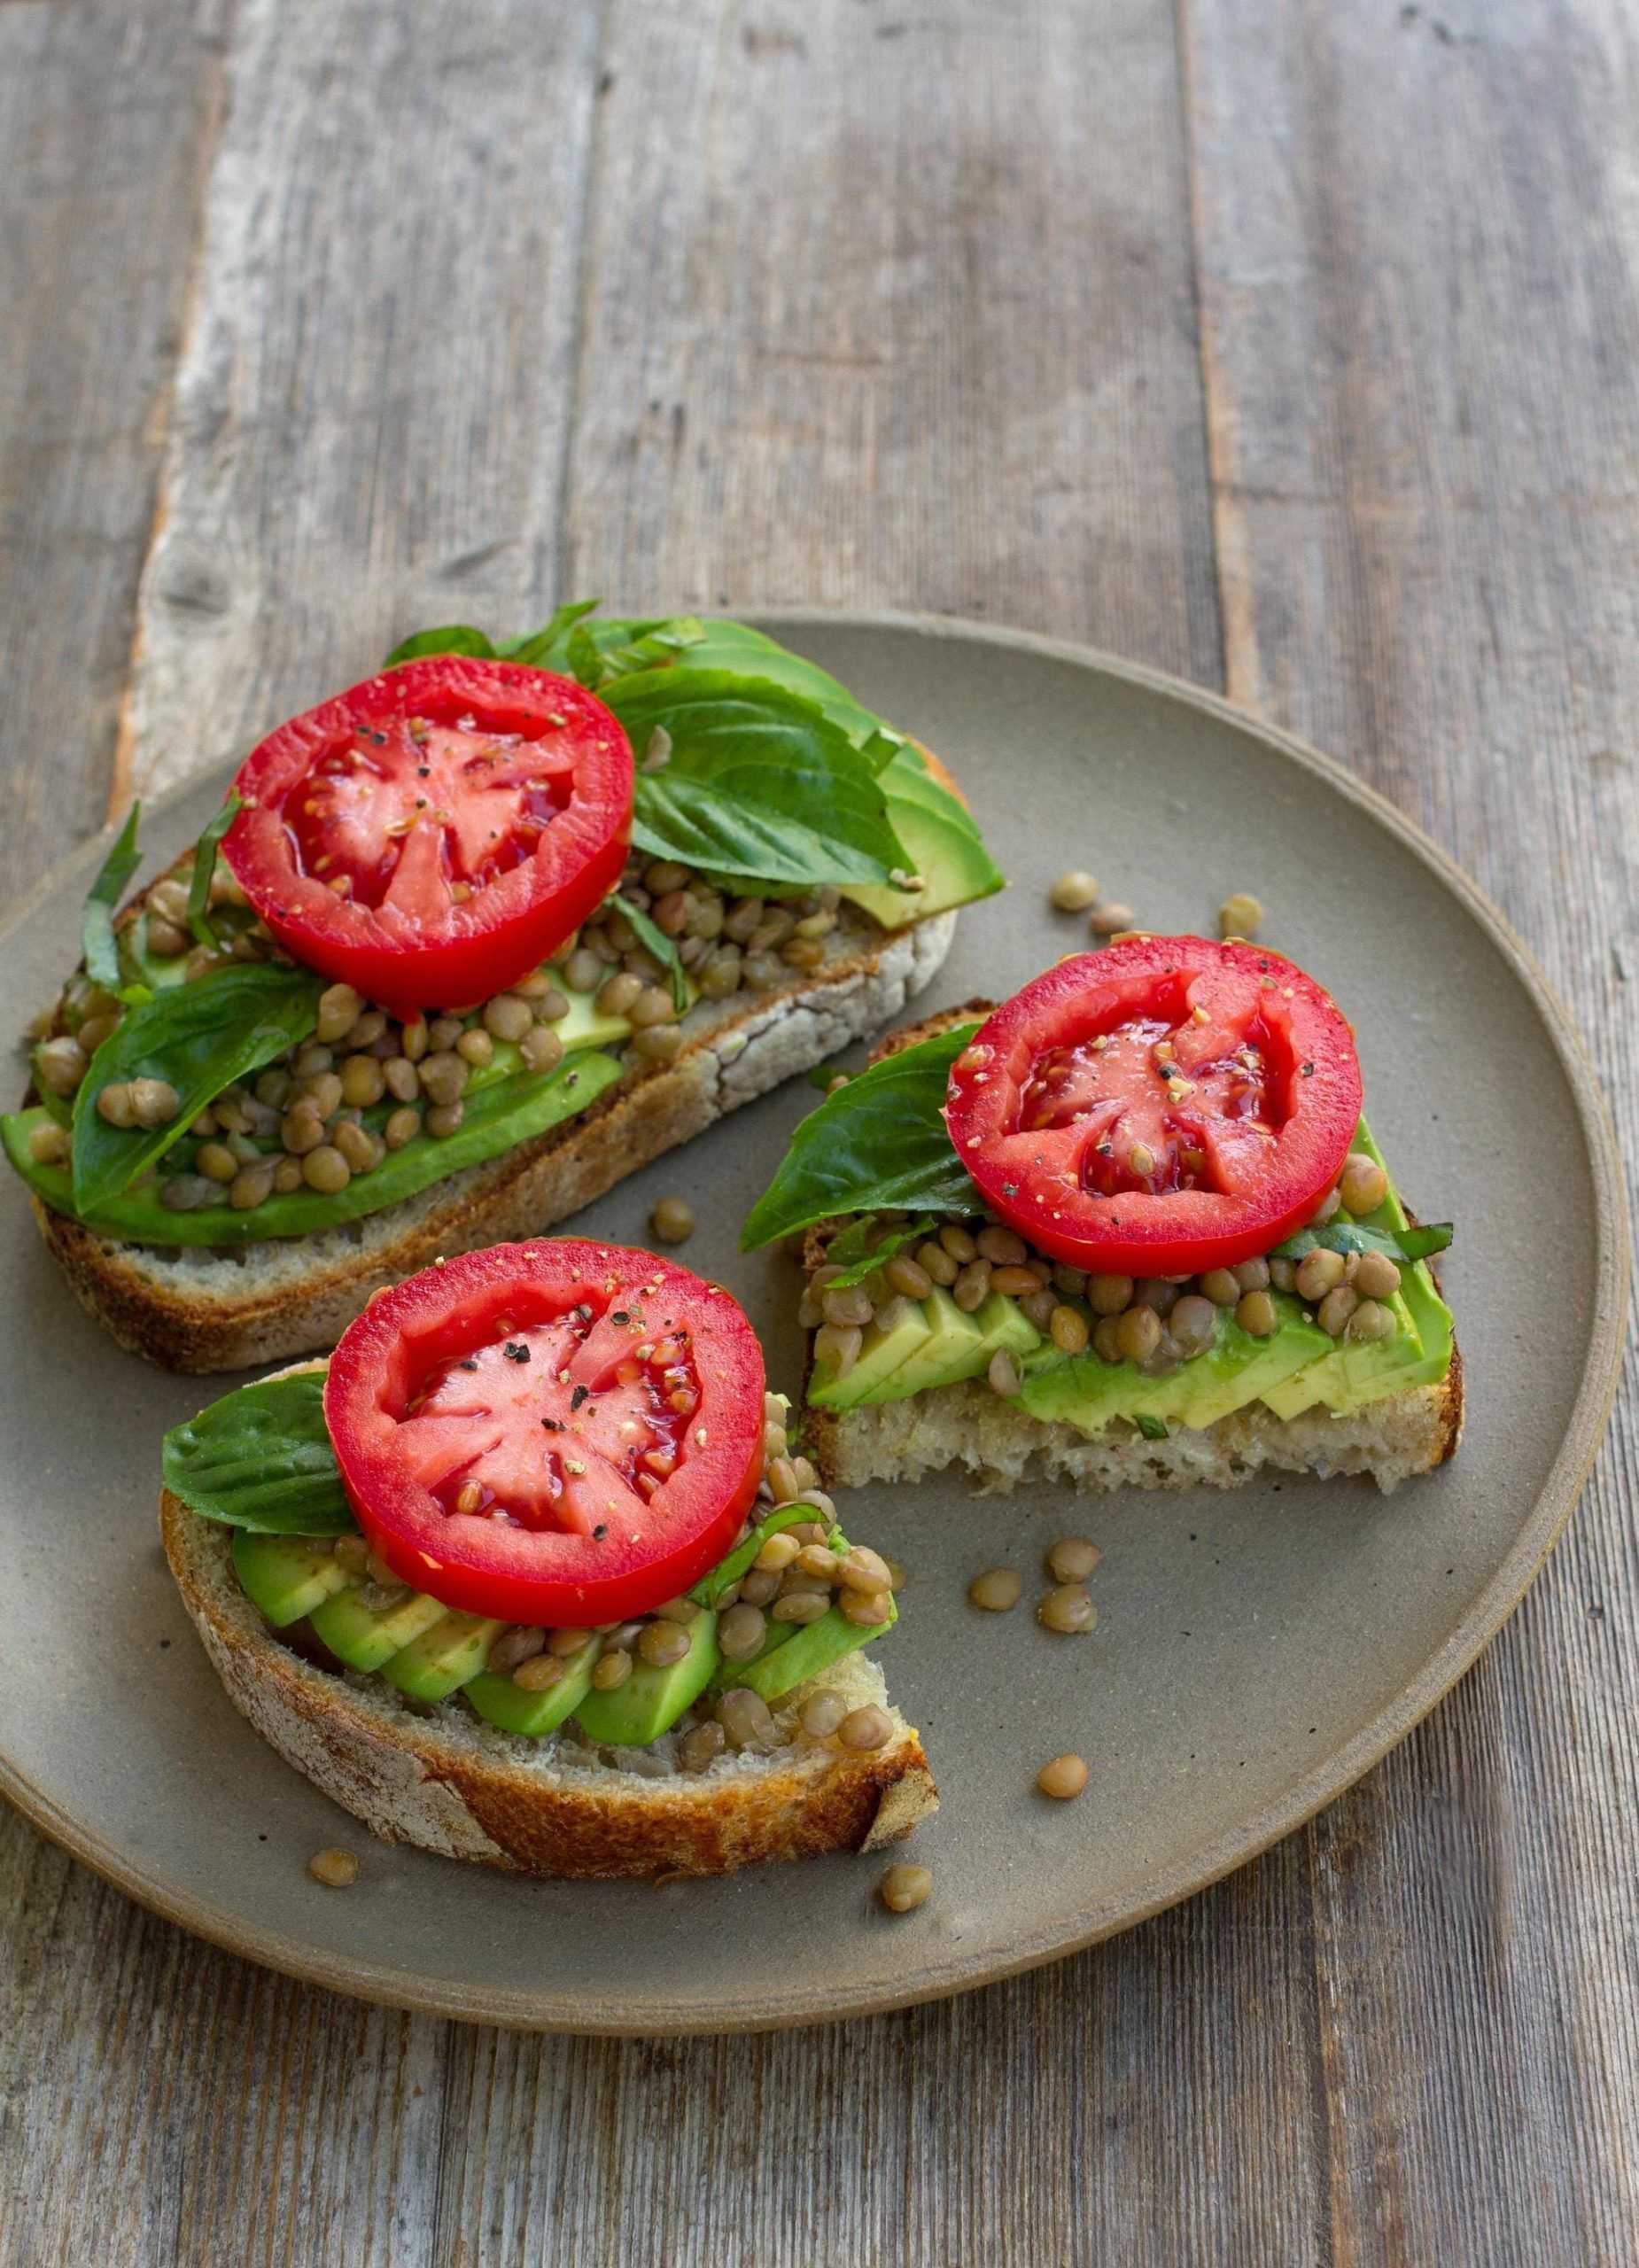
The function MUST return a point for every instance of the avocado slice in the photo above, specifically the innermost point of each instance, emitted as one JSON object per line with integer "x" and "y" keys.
{"x": 940, "y": 839}
{"x": 955, "y": 1346}
{"x": 286, "y": 1576}
{"x": 515, "y": 1709}
{"x": 368, "y": 1637}
{"x": 446, "y": 1655}
{"x": 632, "y": 1714}
{"x": 879, "y": 1360}
{"x": 586, "y": 1025}
{"x": 813, "y": 1646}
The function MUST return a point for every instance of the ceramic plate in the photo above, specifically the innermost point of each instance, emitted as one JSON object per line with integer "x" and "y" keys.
{"x": 1255, "y": 1652}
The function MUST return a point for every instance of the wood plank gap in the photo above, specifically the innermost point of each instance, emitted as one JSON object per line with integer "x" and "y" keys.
{"x": 585, "y": 205}
{"x": 1232, "y": 583}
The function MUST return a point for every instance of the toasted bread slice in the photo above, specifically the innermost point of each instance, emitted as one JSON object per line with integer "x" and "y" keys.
{"x": 1001, "y": 1446}
{"x": 192, "y": 1308}
{"x": 443, "y": 1780}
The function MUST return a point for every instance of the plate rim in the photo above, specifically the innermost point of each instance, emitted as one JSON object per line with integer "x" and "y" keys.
{"x": 1304, "y": 1796}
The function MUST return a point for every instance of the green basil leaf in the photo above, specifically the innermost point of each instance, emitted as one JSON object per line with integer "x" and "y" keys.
{"x": 203, "y": 867}
{"x": 102, "y": 958}
{"x": 740, "y": 651}
{"x": 878, "y": 1144}
{"x": 759, "y": 784}
{"x": 261, "y": 1458}
{"x": 1415, "y": 1243}
{"x": 858, "y": 1254}
{"x": 539, "y": 648}
{"x": 496, "y": 1118}
{"x": 200, "y": 1038}
{"x": 654, "y": 940}
{"x": 1152, "y": 1427}
{"x": 454, "y": 638}
{"x": 603, "y": 660}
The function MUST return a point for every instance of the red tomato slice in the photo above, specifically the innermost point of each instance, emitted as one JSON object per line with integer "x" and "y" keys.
{"x": 1163, "y": 1107}
{"x": 563, "y": 1433}
{"x": 434, "y": 833}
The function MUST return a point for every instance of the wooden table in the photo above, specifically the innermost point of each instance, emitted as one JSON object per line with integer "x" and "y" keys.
{"x": 1292, "y": 347}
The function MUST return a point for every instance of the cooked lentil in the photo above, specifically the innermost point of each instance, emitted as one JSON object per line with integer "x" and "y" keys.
{"x": 902, "y": 1887}
{"x": 996, "y": 1590}
{"x": 335, "y": 1869}
{"x": 1063, "y": 1778}
{"x": 1073, "y": 892}
{"x": 1072, "y": 1558}
{"x": 1067, "y": 1608}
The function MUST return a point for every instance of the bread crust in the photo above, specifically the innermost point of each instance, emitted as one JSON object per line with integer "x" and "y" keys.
{"x": 1390, "y": 1439}
{"x": 449, "y": 1784}
{"x": 203, "y": 1312}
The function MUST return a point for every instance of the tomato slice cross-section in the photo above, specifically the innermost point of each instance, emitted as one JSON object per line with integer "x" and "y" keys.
{"x": 1164, "y": 1105}
{"x": 560, "y": 1433}
{"x": 435, "y": 833}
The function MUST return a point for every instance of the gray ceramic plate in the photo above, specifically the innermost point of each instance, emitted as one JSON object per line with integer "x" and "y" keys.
{"x": 1255, "y": 1652}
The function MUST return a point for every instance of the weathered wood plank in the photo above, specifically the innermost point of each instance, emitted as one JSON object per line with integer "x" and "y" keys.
{"x": 369, "y": 417}
{"x": 107, "y": 118}
{"x": 1420, "y": 304}
{"x": 895, "y": 306}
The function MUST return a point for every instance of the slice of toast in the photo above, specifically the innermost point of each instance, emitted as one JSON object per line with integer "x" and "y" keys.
{"x": 442, "y": 1779}
{"x": 1001, "y": 1446}
{"x": 192, "y": 1308}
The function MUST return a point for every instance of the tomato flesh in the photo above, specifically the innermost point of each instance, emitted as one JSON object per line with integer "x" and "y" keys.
{"x": 432, "y": 835}
{"x": 1166, "y": 1106}
{"x": 561, "y": 1434}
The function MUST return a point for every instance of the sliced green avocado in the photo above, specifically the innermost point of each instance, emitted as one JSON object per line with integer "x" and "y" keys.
{"x": 879, "y": 1359}
{"x": 811, "y": 1647}
{"x": 632, "y": 1714}
{"x": 515, "y": 1709}
{"x": 943, "y": 847}
{"x": 1085, "y": 1391}
{"x": 286, "y": 1576}
{"x": 952, "y": 1346}
{"x": 586, "y": 1025}
{"x": 368, "y": 1637}
{"x": 444, "y": 1658}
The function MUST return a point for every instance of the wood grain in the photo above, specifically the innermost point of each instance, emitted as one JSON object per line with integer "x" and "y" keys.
{"x": 108, "y": 115}
{"x": 1420, "y": 329}
{"x": 371, "y": 412}
{"x": 881, "y": 303}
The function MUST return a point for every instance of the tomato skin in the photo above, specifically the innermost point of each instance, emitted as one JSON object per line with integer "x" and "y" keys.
{"x": 417, "y": 948}
{"x": 446, "y": 1320}
{"x": 1265, "y": 1160}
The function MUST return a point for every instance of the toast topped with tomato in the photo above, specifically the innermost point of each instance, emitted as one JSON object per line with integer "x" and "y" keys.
{"x": 1130, "y": 1228}
{"x": 464, "y": 947}
{"x": 527, "y": 1574}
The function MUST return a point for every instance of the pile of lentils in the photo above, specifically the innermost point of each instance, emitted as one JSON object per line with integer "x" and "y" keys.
{"x": 1156, "y": 1322}
{"x": 795, "y": 1578}
{"x": 301, "y": 1122}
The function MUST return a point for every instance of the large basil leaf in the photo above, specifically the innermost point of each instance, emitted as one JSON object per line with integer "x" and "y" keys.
{"x": 201, "y": 1037}
{"x": 203, "y": 867}
{"x": 879, "y": 1144}
{"x": 760, "y": 786}
{"x": 261, "y": 1458}
{"x": 1412, "y": 1243}
{"x": 622, "y": 646}
{"x": 497, "y": 1117}
{"x": 102, "y": 958}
